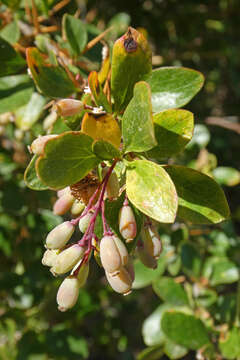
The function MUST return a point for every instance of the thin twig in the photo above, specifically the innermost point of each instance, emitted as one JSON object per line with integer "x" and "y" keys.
{"x": 96, "y": 40}
{"x": 213, "y": 120}
{"x": 35, "y": 17}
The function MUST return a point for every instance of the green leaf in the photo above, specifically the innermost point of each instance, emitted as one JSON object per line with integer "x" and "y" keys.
{"x": 145, "y": 276}
{"x": 220, "y": 270}
{"x": 184, "y": 329}
{"x": 226, "y": 176}
{"x": 201, "y": 137}
{"x": 27, "y": 115}
{"x": 104, "y": 150}
{"x": 137, "y": 121}
{"x": 51, "y": 79}
{"x": 75, "y": 32}
{"x": 151, "y": 353}
{"x": 201, "y": 199}
{"x": 97, "y": 92}
{"x": 131, "y": 60}
{"x": 30, "y": 176}
{"x": 173, "y": 130}
{"x": 67, "y": 159}
{"x": 11, "y": 32}
{"x": 15, "y": 92}
{"x": 151, "y": 190}
{"x": 11, "y": 61}
{"x": 173, "y": 87}
{"x": 174, "y": 351}
{"x": 191, "y": 260}
{"x": 205, "y": 297}
{"x": 59, "y": 126}
{"x": 230, "y": 345}
{"x": 151, "y": 330}
{"x": 170, "y": 291}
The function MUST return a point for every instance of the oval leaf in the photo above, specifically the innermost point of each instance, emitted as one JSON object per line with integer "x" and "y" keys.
{"x": 184, "y": 329}
{"x": 230, "y": 345}
{"x": 201, "y": 199}
{"x": 105, "y": 150}
{"x": 173, "y": 130}
{"x": 137, "y": 121}
{"x": 151, "y": 190}
{"x": 48, "y": 76}
{"x": 67, "y": 159}
{"x": 131, "y": 60}
{"x": 102, "y": 127}
{"x": 226, "y": 175}
{"x": 170, "y": 291}
{"x": 11, "y": 61}
{"x": 30, "y": 176}
{"x": 173, "y": 87}
{"x": 75, "y": 32}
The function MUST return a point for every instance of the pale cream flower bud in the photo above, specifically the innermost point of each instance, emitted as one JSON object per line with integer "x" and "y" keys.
{"x": 59, "y": 236}
{"x": 63, "y": 191}
{"x": 121, "y": 283}
{"x": 85, "y": 221}
{"x": 38, "y": 144}
{"x": 152, "y": 242}
{"x": 121, "y": 249}
{"x": 77, "y": 207}
{"x": 49, "y": 120}
{"x": 63, "y": 204}
{"x": 147, "y": 260}
{"x": 67, "y": 294}
{"x": 109, "y": 254}
{"x": 69, "y": 107}
{"x": 49, "y": 257}
{"x": 112, "y": 190}
{"x": 127, "y": 223}
{"x": 67, "y": 259}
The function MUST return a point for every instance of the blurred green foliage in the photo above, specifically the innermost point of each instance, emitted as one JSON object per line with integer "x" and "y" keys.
{"x": 198, "y": 271}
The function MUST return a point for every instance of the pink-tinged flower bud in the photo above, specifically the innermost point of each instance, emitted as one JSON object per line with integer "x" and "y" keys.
{"x": 49, "y": 257}
{"x": 63, "y": 204}
{"x": 82, "y": 274}
{"x": 38, "y": 144}
{"x": 112, "y": 190}
{"x": 127, "y": 223}
{"x": 68, "y": 293}
{"x": 85, "y": 221}
{"x": 121, "y": 249}
{"x": 77, "y": 207}
{"x": 121, "y": 283}
{"x": 63, "y": 191}
{"x": 109, "y": 255}
{"x": 69, "y": 107}
{"x": 59, "y": 236}
{"x": 67, "y": 259}
{"x": 147, "y": 260}
{"x": 151, "y": 240}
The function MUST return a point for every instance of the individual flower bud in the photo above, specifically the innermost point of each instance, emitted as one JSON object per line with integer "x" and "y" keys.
{"x": 49, "y": 257}
{"x": 109, "y": 254}
{"x": 152, "y": 242}
{"x": 121, "y": 249}
{"x": 63, "y": 191}
{"x": 121, "y": 283}
{"x": 127, "y": 223}
{"x": 147, "y": 260}
{"x": 67, "y": 294}
{"x": 63, "y": 204}
{"x": 67, "y": 259}
{"x": 112, "y": 190}
{"x": 59, "y": 236}
{"x": 69, "y": 107}
{"x": 85, "y": 221}
{"x": 77, "y": 207}
{"x": 82, "y": 273}
{"x": 38, "y": 144}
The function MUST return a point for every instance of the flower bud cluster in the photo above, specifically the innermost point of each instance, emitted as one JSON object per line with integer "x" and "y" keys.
{"x": 64, "y": 256}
